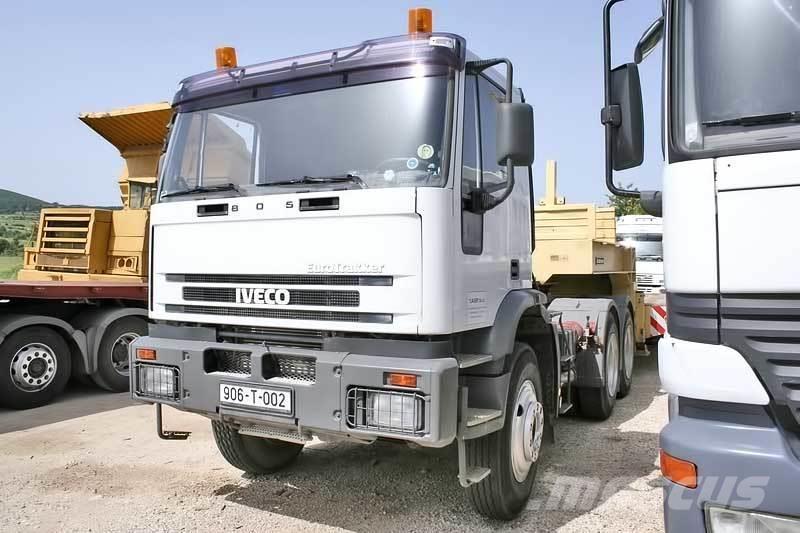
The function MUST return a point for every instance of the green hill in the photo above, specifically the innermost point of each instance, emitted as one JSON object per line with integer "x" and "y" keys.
{"x": 12, "y": 202}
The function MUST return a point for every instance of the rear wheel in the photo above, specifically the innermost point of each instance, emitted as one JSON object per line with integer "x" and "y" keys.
{"x": 512, "y": 453}
{"x": 254, "y": 455}
{"x": 598, "y": 402}
{"x": 113, "y": 365}
{"x": 627, "y": 356}
{"x": 35, "y": 365}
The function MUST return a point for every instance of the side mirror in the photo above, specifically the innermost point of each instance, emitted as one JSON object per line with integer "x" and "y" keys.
{"x": 514, "y": 134}
{"x": 626, "y": 118}
{"x": 650, "y": 38}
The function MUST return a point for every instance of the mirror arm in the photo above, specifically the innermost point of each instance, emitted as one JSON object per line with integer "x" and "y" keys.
{"x": 481, "y": 200}
{"x": 608, "y": 114}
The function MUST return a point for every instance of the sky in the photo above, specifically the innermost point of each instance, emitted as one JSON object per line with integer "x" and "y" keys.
{"x": 64, "y": 58}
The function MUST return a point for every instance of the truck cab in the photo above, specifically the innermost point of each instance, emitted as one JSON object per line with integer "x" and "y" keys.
{"x": 730, "y": 360}
{"x": 341, "y": 248}
{"x": 643, "y": 233}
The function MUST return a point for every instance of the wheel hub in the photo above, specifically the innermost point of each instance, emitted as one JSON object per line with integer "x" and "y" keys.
{"x": 527, "y": 427}
{"x": 119, "y": 353}
{"x": 33, "y": 367}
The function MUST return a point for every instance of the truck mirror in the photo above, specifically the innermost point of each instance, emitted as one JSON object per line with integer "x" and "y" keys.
{"x": 626, "y": 117}
{"x": 650, "y": 38}
{"x": 514, "y": 134}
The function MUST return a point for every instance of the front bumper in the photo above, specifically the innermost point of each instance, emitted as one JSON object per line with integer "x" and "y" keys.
{"x": 743, "y": 462}
{"x": 324, "y": 406}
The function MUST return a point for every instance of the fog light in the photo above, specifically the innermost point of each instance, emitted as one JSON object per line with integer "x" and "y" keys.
{"x": 155, "y": 381}
{"x": 721, "y": 520}
{"x": 388, "y": 411}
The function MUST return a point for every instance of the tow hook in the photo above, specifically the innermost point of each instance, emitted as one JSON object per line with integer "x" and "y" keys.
{"x": 168, "y": 435}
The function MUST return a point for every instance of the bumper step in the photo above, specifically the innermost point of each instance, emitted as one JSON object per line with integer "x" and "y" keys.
{"x": 274, "y": 433}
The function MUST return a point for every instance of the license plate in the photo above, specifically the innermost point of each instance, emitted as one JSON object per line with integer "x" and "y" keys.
{"x": 264, "y": 398}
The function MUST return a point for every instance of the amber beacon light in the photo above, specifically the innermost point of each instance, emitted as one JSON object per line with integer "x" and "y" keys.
{"x": 420, "y": 20}
{"x": 226, "y": 57}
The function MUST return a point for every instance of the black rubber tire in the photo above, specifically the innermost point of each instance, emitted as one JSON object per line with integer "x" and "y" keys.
{"x": 596, "y": 402}
{"x": 254, "y": 455}
{"x": 10, "y": 395}
{"x": 500, "y": 496}
{"x": 625, "y": 380}
{"x": 105, "y": 376}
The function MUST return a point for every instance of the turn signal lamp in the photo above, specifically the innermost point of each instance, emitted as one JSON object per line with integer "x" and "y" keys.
{"x": 146, "y": 354}
{"x": 420, "y": 20}
{"x": 226, "y": 57}
{"x": 678, "y": 471}
{"x": 401, "y": 380}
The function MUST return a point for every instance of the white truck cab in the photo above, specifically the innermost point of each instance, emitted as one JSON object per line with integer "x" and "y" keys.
{"x": 643, "y": 233}
{"x": 731, "y": 359}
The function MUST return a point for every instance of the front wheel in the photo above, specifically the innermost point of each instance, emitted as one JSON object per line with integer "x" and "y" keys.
{"x": 254, "y": 455}
{"x": 512, "y": 453}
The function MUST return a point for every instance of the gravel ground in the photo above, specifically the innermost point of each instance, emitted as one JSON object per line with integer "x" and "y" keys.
{"x": 93, "y": 462}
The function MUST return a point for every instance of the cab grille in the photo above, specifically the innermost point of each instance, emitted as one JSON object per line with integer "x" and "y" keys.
{"x": 282, "y": 279}
{"x": 286, "y": 314}
{"x": 296, "y": 296}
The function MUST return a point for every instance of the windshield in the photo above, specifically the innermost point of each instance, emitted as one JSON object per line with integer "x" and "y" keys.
{"x": 385, "y": 134}
{"x": 735, "y": 60}
{"x": 648, "y": 245}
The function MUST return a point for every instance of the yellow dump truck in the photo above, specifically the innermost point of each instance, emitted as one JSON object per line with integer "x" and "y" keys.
{"x": 81, "y": 295}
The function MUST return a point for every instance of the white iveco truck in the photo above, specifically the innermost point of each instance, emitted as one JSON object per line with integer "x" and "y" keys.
{"x": 341, "y": 248}
{"x": 731, "y": 137}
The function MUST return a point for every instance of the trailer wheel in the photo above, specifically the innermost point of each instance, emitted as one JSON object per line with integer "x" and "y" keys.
{"x": 598, "y": 402}
{"x": 627, "y": 356}
{"x": 113, "y": 365}
{"x": 512, "y": 453}
{"x": 35, "y": 365}
{"x": 254, "y": 455}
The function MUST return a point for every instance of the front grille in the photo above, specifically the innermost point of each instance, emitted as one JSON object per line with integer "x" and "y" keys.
{"x": 295, "y": 338}
{"x": 229, "y": 361}
{"x": 302, "y": 369}
{"x": 296, "y": 296}
{"x": 282, "y": 279}
{"x": 286, "y": 314}
{"x": 766, "y": 330}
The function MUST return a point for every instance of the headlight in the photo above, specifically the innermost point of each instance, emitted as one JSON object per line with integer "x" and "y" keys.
{"x": 721, "y": 520}
{"x": 155, "y": 381}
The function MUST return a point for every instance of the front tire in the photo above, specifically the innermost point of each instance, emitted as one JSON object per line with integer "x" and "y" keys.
{"x": 35, "y": 365}
{"x": 512, "y": 453}
{"x": 254, "y": 455}
{"x": 598, "y": 402}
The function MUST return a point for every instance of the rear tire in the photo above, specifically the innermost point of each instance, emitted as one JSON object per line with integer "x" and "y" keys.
{"x": 113, "y": 363}
{"x": 254, "y": 455}
{"x": 35, "y": 365}
{"x": 598, "y": 402}
{"x": 627, "y": 355}
{"x": 505, "y": 492}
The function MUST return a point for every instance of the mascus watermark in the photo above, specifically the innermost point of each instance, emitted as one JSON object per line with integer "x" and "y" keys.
{"x": 582, "y": 494}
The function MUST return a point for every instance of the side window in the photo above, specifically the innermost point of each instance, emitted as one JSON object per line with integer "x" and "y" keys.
{"x": 471, "y": 223}
{"x": 493, "y": 175}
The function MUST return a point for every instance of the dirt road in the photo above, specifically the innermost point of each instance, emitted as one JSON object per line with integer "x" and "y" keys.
{"x": 92, "y": 462}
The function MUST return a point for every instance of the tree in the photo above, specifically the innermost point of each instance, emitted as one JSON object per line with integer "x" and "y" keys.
{"x": 625, "y": 205}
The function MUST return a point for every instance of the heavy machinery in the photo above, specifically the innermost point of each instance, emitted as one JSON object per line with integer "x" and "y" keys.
{"x": 730, "y": 453}
{"x": 342, "y": 248}
{"x": 80, "y": 298}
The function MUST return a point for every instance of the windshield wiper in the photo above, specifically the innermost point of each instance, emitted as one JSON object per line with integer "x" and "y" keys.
{"x": 208, "y": 188}
{"x": 757, "y": 120}
{"x": 310, "y": 180}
